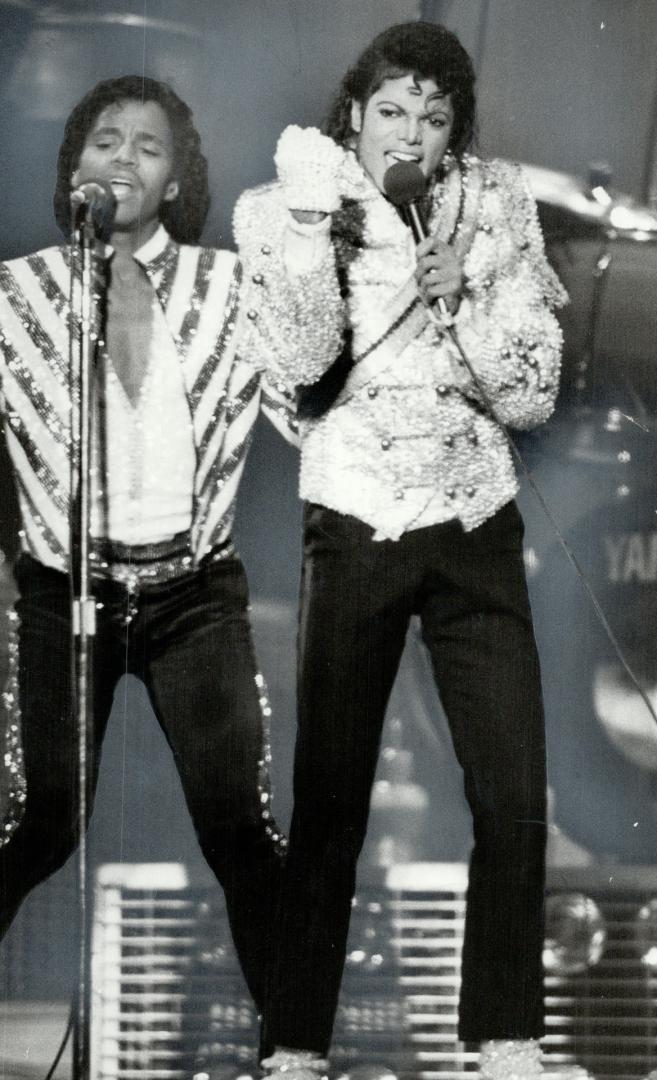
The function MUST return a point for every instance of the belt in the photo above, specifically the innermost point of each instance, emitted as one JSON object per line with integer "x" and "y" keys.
{"x": 150, "y": 564}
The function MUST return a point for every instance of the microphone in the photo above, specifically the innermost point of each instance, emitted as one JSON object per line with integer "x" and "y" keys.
{"x": 95, "y": 200}
{"x": 405, "y": 185}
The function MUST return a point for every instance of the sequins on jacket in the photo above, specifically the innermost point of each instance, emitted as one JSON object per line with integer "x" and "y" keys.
{"x": 410, "y": 441}
{"x": 199, "y": 292}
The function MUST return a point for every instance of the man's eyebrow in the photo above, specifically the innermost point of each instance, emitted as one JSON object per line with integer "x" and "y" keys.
{"x": 148, "y": 136}
{"x": 437, "y": 99}
{"x": 145, "y": 136}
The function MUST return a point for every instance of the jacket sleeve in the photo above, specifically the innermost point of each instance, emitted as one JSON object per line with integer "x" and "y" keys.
{"x": 506, "y": 323}
{"x": 293, "y": 323}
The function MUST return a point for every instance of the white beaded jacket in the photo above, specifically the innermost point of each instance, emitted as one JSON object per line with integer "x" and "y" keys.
{"x": 199, "y": 293}
{"x": 410, "y": 441}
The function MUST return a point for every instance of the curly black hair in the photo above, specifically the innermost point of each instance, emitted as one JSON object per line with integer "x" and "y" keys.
{"x": 423, "y": 49}
{"x": 185, "y": 216}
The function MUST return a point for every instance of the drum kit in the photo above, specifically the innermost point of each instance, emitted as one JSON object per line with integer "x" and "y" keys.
{"x": 603, "y": 246}
{"x": 602, "y": 446}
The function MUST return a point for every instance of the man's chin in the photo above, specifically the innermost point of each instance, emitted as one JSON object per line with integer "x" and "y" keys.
{"x": 134, "y": 226}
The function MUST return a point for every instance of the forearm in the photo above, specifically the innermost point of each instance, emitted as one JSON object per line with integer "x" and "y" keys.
{"x": 506, "y": 323}
{"x": 514, "y": 351}
{"x": 293, "y": 312}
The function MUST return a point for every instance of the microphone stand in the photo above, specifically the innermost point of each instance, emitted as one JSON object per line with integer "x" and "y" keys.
{"x": 83, "y": 622}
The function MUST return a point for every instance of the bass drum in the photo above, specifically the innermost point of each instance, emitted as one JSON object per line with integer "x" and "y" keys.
{"x": 602, "y": 737}
{"x": 596, "y": 463}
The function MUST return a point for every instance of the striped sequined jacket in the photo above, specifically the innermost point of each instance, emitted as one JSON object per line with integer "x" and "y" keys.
{"x": 199, "y": 291}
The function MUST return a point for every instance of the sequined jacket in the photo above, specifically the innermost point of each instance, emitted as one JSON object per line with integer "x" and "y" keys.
{"x": 410, "y": 440}
{"x": 199, "y": 291}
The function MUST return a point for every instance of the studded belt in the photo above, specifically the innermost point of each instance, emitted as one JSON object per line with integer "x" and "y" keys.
{"x": 135, "y": 566}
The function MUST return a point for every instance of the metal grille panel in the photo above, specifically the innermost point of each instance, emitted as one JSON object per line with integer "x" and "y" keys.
{"x": 169, "y": 997}
{"x": 602, "y": 1016}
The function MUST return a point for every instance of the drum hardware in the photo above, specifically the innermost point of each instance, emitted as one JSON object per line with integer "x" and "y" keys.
{"x": 593, "y": 204}
{"x": 601, "y": 243}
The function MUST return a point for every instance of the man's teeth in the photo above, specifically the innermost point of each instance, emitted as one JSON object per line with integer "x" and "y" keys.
{"x": 399, "y": 155}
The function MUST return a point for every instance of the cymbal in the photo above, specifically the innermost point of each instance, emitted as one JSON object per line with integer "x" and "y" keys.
{"x": 611, "y": 211}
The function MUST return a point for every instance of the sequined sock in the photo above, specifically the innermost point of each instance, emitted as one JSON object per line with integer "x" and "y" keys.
{"x": 510, "y": 1059}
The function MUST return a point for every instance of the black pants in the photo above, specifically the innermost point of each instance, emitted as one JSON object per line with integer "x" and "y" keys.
{"x": 189, "y": 641}
{"x": 357, "y": 598}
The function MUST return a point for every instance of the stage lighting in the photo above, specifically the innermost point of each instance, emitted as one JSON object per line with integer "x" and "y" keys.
{"x": 575, "y": 934}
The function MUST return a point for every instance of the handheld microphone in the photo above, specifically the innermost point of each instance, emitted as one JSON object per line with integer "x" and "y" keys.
{"x": 405, "y": 185}
{"x": 94, "y": 200}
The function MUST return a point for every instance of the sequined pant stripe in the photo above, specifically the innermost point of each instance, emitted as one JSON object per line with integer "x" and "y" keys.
{"x": 12, "y": 762}
{"x": 189, "y": 641}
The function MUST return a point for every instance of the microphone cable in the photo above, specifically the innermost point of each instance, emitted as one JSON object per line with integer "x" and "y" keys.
{"x": 445, "y": 323}
{"x": 64, "y": 1041}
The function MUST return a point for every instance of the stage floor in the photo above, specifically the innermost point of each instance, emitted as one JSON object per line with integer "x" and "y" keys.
{"x": 30, "y": 1035}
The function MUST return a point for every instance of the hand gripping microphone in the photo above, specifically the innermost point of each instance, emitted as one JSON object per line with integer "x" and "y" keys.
{"x": 405, "y": 185}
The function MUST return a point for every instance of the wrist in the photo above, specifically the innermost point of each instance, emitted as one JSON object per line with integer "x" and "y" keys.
{"x": 308, "y": 165}
{"x": 309, "y": 217}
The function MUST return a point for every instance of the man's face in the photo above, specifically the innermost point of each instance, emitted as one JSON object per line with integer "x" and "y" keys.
{"x": 130, "y": 147}
{"x": 406, "y": 119}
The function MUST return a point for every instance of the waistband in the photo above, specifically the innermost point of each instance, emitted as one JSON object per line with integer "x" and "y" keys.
{"x": 135, "y": 566}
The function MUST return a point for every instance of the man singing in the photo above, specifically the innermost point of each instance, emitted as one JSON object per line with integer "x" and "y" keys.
{"x": 173, "y": 410}
{"x": 409, "y": 484}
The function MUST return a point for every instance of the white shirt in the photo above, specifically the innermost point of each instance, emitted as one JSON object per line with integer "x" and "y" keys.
{"x": 144, "y": 452}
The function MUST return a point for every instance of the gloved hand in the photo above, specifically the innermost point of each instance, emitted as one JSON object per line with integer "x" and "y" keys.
{"x": 309, "y": 166}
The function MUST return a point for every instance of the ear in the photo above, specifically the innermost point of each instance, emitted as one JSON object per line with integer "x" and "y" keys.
{"x": 356, "y": 116}
{"x": 172, "y": 191}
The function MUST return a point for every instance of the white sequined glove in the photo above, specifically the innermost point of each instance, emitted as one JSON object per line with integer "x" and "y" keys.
{"x": 309, "y": 166}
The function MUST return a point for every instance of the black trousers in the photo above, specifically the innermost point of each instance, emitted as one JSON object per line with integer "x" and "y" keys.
{"x": 190, "y": 643}
{"x": 357, "y": 598}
